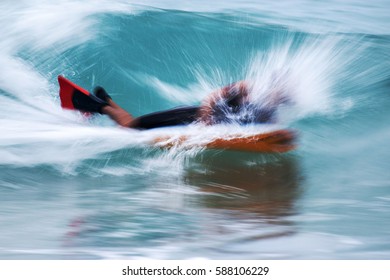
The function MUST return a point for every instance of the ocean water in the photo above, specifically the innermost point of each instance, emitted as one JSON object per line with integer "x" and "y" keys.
{"x": 73, "y": 187}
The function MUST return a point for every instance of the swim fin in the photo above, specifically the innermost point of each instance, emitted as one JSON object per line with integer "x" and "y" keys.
{"x": 75, "y": 97}
{"x": 101, "y": 93}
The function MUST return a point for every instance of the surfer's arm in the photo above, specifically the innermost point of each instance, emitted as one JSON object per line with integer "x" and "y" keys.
{"x": 119, "y": 115}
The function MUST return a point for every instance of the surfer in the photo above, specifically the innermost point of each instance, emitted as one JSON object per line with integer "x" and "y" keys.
{"x": 230, "y": 104}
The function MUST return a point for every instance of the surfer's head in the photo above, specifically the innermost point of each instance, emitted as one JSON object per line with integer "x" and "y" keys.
{"x": 235, "y": 96}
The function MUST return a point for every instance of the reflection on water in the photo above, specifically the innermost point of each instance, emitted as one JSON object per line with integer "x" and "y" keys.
{"x": 269, "y": 189}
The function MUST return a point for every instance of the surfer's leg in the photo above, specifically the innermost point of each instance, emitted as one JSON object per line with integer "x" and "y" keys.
{"x": 113, "y": 110}
{"x": 119, "y": 115}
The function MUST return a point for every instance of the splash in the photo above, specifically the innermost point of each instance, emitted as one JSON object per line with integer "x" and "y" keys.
{"x": 304, "y": 78}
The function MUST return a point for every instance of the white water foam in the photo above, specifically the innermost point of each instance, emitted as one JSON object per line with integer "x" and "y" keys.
{"x": 306, "y": 78}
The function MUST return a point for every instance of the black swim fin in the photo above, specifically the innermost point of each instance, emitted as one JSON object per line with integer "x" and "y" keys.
{"x": 101, "y": 93}
{"x": 74, "y": 97}
{"x": 87, "y": 103}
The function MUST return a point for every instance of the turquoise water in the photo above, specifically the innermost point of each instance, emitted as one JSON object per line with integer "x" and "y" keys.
{"x": 81, "y": 188}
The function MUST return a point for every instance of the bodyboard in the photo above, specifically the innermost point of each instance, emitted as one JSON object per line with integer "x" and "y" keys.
{"x": 279, "y": 141}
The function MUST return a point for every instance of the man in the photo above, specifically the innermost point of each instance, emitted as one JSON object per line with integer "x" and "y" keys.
{"x": 230, "y": 104}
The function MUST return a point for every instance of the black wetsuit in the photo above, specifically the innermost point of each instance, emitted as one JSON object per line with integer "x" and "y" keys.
{"x": 176, "y": 116}
{"x": 245, "y": 114}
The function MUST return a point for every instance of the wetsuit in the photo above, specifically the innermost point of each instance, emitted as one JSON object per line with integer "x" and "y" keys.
{"x": 176, "y": 116}
{"x": 245, "y": 114}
